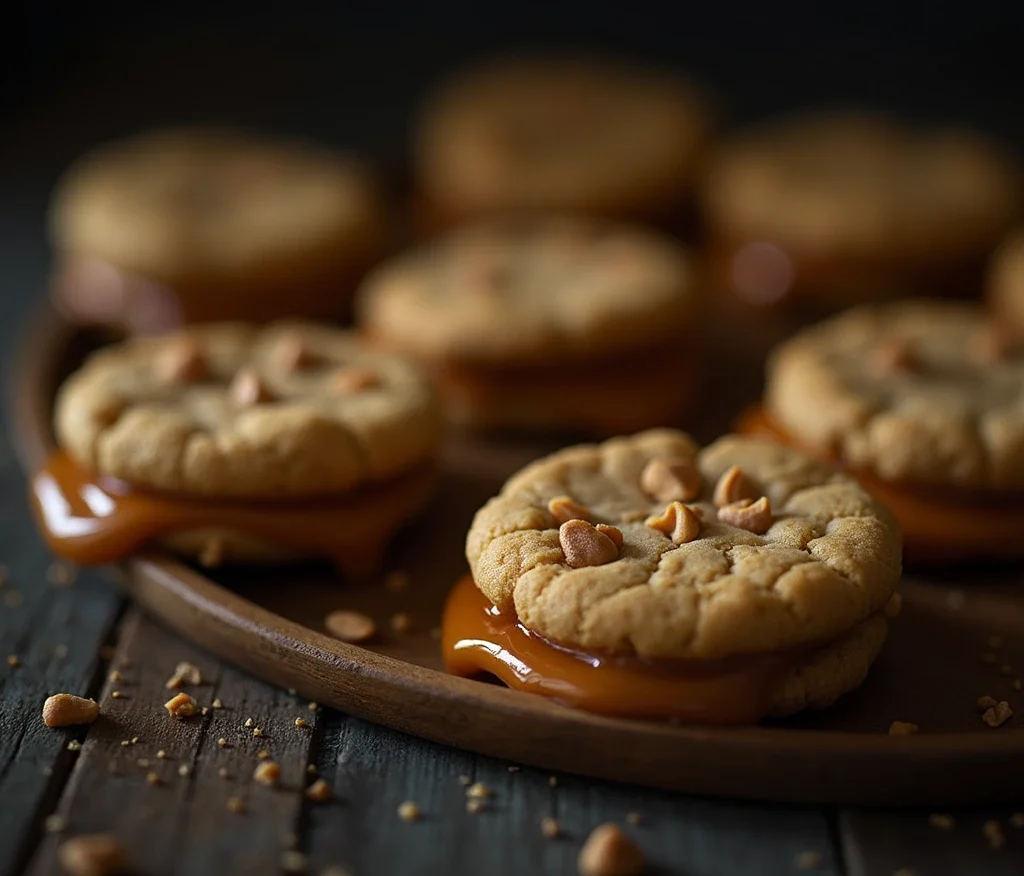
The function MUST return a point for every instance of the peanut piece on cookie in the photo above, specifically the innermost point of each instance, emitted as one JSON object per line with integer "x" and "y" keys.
{"x": 563, "y": 509}
{"x": 345, "y": 381}
{"x": 677, "y": 523}
{"x": 583, "y": 545}
{"x": 66, "y": 710}
{"x": 248, "y": 389}
{"x": 893, "y": 356}
{"x": 613, "y": 532}
{"x": 755, "y": 517}
{"x": 670, "y": 479}
{"x": 733, "y": 486}
{"x": 182, "y": 363}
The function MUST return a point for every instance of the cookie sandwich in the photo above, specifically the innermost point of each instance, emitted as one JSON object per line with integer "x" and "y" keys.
{"x": 236, "y": 443}
{"x": 184, "y": 225}
{"x": 554, "y": 323}
{"x": 829, "y": 211}
{"x": 923, "y": 401}
{"x": 565, "y": 134}
{"x": 650, "y": 578}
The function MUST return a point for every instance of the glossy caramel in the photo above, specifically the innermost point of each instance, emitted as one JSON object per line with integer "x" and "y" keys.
{"x": 478, "y": 639}
{"x": 90, "y": 520}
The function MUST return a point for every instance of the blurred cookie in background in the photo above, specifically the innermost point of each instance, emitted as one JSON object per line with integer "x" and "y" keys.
{"x": 827, "y": 211}
{"x": 191, "y": 225}
{"x": 570, "y": 133}
{"x": 550, "y": 323}
{"x": 1005, "y": 289}
{"x": 923, "y": 401}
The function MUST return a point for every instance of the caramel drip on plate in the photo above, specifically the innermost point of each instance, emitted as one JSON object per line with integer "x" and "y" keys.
{"x": 92, "y": 521}
{"x": 478, "y": 639}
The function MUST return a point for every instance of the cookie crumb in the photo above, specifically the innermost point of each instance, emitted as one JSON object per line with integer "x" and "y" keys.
{"x": 993, "y": 831}
{"x": 319, "y": 792}
{"x": 181, "y": 706}
{"x": 998, "y": 715}
{"x": 263, "y": 754}
{"x": 311, "y": 769}
{"x": 634, "y": 818}
{"x": 294, "y": 862}
{"x": 808, "y": 861}
{"x": 397, "y": 581}
{"x": 161, "y": 755}
{"x": 268, "y": 773}
{"x": 55, "y": 823}
{"x": 125, "y": 742}
{"x": 217, "y": 704}
{"x": 312, "y": 706}
{"x": 153, "y": 779}
{"x": 60, "y": 574}
{"x": 222, "y": 742}
{"x": 223, "y": 772}
{"x": 184, "y": 770}
{"x": 67, "y": 710}
{"x": 236, "y": 804}
{"x": 608, "y": 851}
{"x": 115, "y": 676}
{"x": 257, "y": 732}
{"x": 401, "y": 622}
{"x": 941, "y": 821}
{"x": 475, "y": 805}
{"x": 204, "y": 711}
{"x": 13, "y": 661}
{"x": 249, "y": 722}
{"x": 465, "y": 780}
{"x": 97, "y": 854}
{"x": 184, "y": 673}
{"x": 74, "y": 745}
{"x": 117, "y": 695}
{"x": 902, "y": 728}
{"x": 550, "y": 827}
{"x": 986, "y": 702}
{"x": 301, "y": 722}
{"x": 350, "y": 626}
{"x": 478, "y": 790}
{"x": 409, "y": 811}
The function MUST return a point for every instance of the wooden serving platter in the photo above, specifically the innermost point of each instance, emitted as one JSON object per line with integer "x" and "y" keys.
{"x": 937, "y": 663}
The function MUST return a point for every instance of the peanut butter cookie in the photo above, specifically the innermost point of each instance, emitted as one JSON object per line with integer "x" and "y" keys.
{"x": 689, "y": 557}
{"x": 549, "y": 322}
{"x": 192, "y": 224}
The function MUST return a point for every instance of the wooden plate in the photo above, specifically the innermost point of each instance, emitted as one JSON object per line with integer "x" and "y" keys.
{"x": 270, "y": 623}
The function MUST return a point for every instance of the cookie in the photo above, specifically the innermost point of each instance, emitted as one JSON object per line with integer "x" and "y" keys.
{"x": 186, "y": 225}
{"x": 834, "y": 210}
{"x": 719, "y": 561}
{"x": 571, "y": 134}
{"x": 544, "y": 323}
{"x": 1005, "y": 288}
{"x": 924, "y": 401}
{"x": 239, "y": 432}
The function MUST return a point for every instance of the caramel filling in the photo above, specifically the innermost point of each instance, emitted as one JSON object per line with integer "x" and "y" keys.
{"x": 478, "y": 639}
{"x": 939, "y": 523}
{"x": 92, "y": 520}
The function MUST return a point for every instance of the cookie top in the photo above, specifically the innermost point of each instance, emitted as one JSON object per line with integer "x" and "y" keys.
{"x": 1006, "y": 282}
{"x": 228, "y": 410}
{"x": 179, "y": 204}
{"x": 544, "y": 290}
{"x": 924, "y": 392}
{"x": 568, "y": 133}
{"x": 862, "y": 185}
{"x": 691, "y": 580}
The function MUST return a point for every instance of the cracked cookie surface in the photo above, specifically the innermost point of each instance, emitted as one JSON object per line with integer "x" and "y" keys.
{"x": 829, "y": 560}
{"x": 919, "y": 392}
{"x": 287, "y": 411}
{"x": 533, "y": 291}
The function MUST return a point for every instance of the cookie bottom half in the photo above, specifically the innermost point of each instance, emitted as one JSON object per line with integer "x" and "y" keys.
{"x": 603, "y": 399}
{"x": 938, "y": 526}
{"x": 91, "y": 521}
{"x": 477, "y": 639}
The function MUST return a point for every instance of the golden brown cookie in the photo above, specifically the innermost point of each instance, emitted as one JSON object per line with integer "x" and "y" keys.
{"x": 237, "y": 442}
{"x": 650, "y": 548}
{"x": 559, "y": 134}
{"x": 924, "y": 402}
{"x": 554, "y": 322}
{"x": 185, "y": 225}
{"x": 844, "y": 209}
